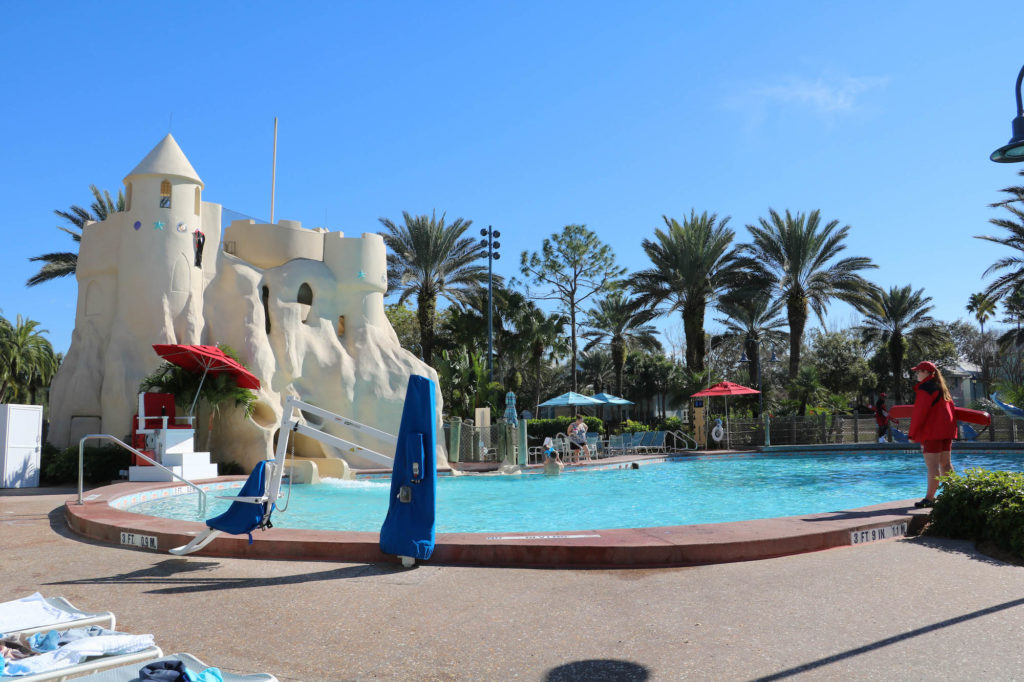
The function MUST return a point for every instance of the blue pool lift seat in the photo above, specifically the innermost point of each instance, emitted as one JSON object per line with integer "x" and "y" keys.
{"x": 250, "y": 510}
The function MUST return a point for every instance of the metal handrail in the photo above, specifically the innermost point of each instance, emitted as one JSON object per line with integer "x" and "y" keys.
{"x": 686, "y": 438}
{"x": 104, "y": 436}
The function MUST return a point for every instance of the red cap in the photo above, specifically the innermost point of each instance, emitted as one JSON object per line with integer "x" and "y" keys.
{"x": 924, "y": 367}
{"x": 881, "y": 395}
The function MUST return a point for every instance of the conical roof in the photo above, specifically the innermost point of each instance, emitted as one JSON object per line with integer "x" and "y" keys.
{"x": 166, "y": 159}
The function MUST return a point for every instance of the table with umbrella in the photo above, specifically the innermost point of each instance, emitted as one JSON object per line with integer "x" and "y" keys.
{"x": 725, "y": 389}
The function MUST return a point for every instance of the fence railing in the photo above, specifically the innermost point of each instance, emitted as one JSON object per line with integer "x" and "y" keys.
{"x": 827, "y": 428}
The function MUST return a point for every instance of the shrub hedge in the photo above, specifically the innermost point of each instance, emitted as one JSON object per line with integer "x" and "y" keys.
{"x": 100, "y": 464}
{"x": 542, "y": 428}
{"x": 982, "y": 505}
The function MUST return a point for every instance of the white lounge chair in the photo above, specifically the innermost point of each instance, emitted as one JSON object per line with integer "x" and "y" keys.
{"x": 130, "y": 673}
{"x": 69, "y": 617}
{"x": 133, "y": 660}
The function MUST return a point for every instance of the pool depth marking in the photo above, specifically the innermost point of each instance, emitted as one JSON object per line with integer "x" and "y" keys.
{"x": 896, "y": 530}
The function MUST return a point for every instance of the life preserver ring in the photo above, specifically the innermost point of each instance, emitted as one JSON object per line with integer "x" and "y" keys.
{"x": 717, "y": 433}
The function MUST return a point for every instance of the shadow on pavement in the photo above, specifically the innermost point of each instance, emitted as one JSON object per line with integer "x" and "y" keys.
{"x": 950, "y": 546}
{"x": 821, "y": 662}
{"x": 597, "y": 669}
{"x": 166, "y": 573}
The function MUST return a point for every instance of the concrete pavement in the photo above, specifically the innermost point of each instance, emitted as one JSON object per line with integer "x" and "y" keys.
{"x": 904, "y": 609}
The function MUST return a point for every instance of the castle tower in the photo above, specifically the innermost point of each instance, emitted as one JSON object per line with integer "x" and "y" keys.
{"x": 160, "y": 284}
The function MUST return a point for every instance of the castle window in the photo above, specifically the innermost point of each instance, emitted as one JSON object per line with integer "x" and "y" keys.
{"x": 265, "y": 297}
{"x": 305, "y": 300}
{"x": 128, "y": 199}
{"x": 197, "y": 200}
{"x": 165, "y": 194}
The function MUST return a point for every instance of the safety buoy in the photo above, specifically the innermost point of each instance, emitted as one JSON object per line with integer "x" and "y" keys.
{"x": 717, "y": 433}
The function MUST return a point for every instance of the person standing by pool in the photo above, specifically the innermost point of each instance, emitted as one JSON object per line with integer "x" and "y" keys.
{"x": 577, "y": 433}
{"x": 882, "y": 418}
{"x": 933, "y": 425}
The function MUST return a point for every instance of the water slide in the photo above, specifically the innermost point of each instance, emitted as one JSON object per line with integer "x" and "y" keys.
{"x": 1012, "y": 411}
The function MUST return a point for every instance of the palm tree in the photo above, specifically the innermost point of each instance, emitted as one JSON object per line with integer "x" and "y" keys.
{"x": 983, "y": 306}
{"x": 432, "y": 260}
{"x": 542, "y": 334}
{"x": 753, "y": 320}
{"x": 596, "y": 369}
{"x": 26, "y": 358}
{"x": 692, "y": 262}
{"x": 793, "y": 257}
{"x": 621, "y": 323}
{"x": 1013, "y": 280}
{"x": 898, "y": 319}
{"x": 64, "y": 263}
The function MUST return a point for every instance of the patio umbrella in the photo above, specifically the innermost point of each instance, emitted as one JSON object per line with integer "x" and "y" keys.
{"x": 208, "y": 360}
{"x": 609, "y": 399}
{"x": 570, "y": 399}
{"x": 725, "y": 389}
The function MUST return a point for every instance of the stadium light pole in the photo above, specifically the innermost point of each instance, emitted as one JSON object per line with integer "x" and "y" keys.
{"x": 1013, "y": 151}
{"x": 489, "y": 242}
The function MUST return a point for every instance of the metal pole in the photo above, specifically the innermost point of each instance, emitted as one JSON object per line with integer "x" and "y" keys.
{"x": 490, "y": 305}
{"x": 760, "y": 391}
{"x": 273, "y": 173}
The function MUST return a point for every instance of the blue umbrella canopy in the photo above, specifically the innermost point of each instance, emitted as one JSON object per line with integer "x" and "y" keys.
{"x": 610, "y": 399}
{"x": 570, "y": 398}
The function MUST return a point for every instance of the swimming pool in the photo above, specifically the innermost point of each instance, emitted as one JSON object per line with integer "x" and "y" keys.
{"x": 675, "y": 492}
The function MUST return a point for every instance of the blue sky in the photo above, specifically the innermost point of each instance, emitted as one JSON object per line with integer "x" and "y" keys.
{"x": 526, "y": 116}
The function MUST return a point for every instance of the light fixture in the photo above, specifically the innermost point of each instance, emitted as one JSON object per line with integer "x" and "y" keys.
{"x": 1013, "y": 151}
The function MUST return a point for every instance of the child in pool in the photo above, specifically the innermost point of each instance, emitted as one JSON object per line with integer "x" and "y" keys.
{"x": 933, "y": 425}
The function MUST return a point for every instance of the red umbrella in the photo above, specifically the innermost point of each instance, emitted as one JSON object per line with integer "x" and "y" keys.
{"x": 726, "y": 389}
{"x": 208, "y": 360}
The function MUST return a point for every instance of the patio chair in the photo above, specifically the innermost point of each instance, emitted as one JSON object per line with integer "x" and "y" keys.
{"x": 593, "y": 442}
{"x": 130, "y": 673}
{"x": 39, "y": 614}
{"x": 644, "y": 445}
{"x": 657, "y": 442}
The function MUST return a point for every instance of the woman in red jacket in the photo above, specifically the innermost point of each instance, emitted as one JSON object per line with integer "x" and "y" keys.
{"x": 933, "y": 425}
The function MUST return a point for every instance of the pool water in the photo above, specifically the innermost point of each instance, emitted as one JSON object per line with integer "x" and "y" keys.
{"x": 671, "y": 493}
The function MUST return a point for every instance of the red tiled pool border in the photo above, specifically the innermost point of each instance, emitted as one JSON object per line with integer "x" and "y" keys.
{"x": 601, "y": 548}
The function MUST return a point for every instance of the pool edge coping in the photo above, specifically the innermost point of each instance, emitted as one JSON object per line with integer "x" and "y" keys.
{"x": 664, "y": 546}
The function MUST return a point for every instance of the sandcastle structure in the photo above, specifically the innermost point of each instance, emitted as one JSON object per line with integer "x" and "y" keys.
{"x": 304, "y": 308}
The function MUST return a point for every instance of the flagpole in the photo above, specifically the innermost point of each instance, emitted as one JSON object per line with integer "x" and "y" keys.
{"x": 273, "y": 173}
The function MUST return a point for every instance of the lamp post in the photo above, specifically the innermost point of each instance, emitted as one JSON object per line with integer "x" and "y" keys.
{"x": 1013, "y": 151}
{"x": 489, "y": 242}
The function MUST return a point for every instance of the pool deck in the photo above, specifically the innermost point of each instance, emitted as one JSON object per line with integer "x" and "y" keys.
{"x": 913, "y": 609}
{"x": 667, "y": 546}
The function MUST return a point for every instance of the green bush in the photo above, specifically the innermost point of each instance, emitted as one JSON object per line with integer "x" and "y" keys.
{"x": 630, "y": 426}
{"x": 539, "y": 429}
{"x": 99, "y": 465}
{"x": 671, "y": 424}
{"x": 982, "y": 506}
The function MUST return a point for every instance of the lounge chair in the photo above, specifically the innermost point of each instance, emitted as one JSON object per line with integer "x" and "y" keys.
{"x": 68, "y": 617}
{"x": 134, "y": 660}
{"x": 130, "y": 673}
